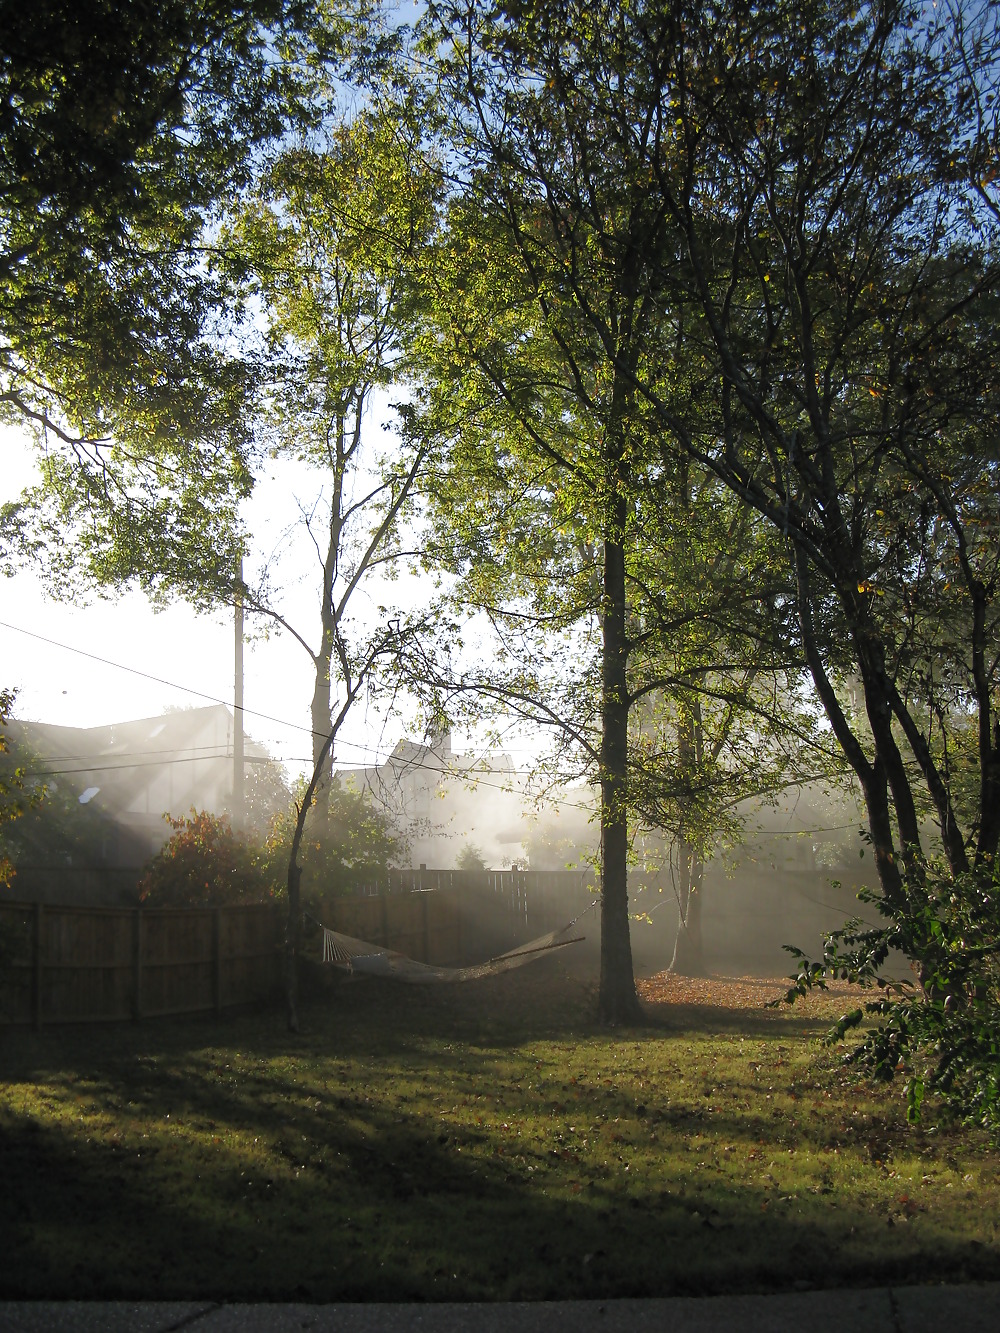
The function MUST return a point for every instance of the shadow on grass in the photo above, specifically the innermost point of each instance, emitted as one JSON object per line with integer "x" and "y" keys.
{"x": 765, "y": 1024}
{"x": 477, "y": 1142}
{"x": 370, "y": 1206}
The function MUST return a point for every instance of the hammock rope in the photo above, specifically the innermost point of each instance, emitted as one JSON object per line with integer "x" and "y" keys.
{"x": 362, "y": 958}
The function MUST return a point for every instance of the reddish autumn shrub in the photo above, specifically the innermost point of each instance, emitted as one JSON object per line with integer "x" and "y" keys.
{"x": 204, "y": 863}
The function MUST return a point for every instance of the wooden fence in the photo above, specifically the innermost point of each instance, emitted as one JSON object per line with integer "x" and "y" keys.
{"x": 452, "y": 918}
{"x": 63, "y": 964}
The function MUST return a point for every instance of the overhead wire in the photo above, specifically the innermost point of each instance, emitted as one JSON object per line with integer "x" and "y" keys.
{"x": 128, "y": 763}
{"x": 212, "y": 698}
{"x": 159, "y": 680}
{"x": 187, "y": 689}
{"x": 375, "y": 754}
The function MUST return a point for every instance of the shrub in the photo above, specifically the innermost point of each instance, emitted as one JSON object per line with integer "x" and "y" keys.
{"x": 205, "y": 863}
{"x": 346, "y": 848}
{"x": 470, "y": 858}
{"x": 17, "y": 796}
{"x": 941, "y": 1032}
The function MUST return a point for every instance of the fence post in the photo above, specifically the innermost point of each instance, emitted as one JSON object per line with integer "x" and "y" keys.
{"x": 217, "y": 958}
{"x": 137, "y": 965}
{"x": 425, "y": 931}
{"x": 37, "y": 967}
{"x": 385, "y": 921}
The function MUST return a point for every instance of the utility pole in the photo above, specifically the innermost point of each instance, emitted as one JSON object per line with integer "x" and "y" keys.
{"x": 238, "y": 797}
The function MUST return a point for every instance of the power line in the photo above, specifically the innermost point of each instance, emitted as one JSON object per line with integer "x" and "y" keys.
{"x": 159, "y": 680}
{"x": 212, "y": 698}
{"x": 268, "y": 717}
{"x": 130, "y": 763}
{"x": 169, "y": 755}
{"x": 375, "y": 753}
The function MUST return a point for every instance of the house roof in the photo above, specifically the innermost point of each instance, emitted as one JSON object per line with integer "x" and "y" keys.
{"x": 436, "y": 760}
{"x": 121, "y": 759}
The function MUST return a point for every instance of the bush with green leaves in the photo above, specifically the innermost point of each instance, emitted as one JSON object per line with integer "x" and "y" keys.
{"x": 348, "y": 846}
{"x": 470, "y": 858}
{"x": 10, "y": 785}
{"x": 941, "y": 1030}
{"x": 39, "y": 824}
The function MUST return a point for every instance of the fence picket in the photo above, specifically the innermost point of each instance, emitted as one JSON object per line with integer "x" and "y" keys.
{"x": 109, "y": 963}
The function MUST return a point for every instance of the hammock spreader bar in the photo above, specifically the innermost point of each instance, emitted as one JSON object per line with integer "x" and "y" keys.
{"x": 364, "y": 959}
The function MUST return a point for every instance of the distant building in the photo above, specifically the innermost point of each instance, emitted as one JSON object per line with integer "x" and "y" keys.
{"x": 441, "y": 802}
{"x": 125, "y": 777}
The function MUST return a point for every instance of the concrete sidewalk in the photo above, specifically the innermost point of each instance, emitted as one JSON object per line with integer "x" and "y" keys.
{"x": 966, "y": 1309}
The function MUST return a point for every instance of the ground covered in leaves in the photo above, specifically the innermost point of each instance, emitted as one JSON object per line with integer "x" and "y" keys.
{"x": 485, "y": 1141}
{"x": 748, "y": 993}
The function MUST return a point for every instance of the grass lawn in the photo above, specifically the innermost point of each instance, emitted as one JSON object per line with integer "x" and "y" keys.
{"x": 484, "y": 1141}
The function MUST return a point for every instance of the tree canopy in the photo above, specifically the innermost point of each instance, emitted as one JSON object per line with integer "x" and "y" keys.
{"x": 612, "y": 564}
{"x": 126, "y": 129}
{"x": 699, "y": 318}
{"x": 803, "y": 197}
{"x": 324, "y": 246}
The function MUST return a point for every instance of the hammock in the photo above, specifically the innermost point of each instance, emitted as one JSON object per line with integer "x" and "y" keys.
{"x": 364, "y": 959}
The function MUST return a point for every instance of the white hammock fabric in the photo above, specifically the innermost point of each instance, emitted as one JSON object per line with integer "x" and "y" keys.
{"x": 364, "y": 959}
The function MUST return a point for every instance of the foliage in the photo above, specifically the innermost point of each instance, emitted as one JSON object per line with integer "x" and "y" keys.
{"x": 943, "y": 1036}
{"x": 470, "y": 858}
{"x": 841, "y": 271}
{"x": 121, "y": 131}
{"x": 322, "y": 246}
{"x": 266, "y": 795}
{"x": 204, "y": 863}
{"x": 43, "y": 827}
{"x": 611, "y": 565}
{"x": 779, "y": 225}
{"x": 348, "y": 847}
{"x": 53, "y": 831}
{"x": 125, "y": 133}
{"x": 12, "y": 803}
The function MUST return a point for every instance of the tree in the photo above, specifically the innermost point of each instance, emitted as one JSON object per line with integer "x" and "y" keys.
{"x": 12, "y": 803}
{"x": 207, "y": 863}
{"x": 326, "y": 248}
{"x": 266, "y": 794}
{"x": 123, "y": 126}
{"x": 333, "y": 306}
{"x": 561, "y": 509}
{"x": 48, "y": 833}
{"x": 470, "y": 858}
{"x": 855, "y": 371}
{"x": 820, "y": 184}
{"x": 351, "y": 849}
{"x": 717, "y": 748}
{"x": 204, "y": 863}
{"x": 323, "y": 247}
{"x": 853, "y": 374}
{"x": 125, "y": 130}
{"x": 355, "y": 680}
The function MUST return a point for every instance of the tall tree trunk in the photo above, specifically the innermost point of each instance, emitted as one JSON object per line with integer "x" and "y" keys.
{"x": 988, "y": 840}
{"x": 293, "y": 942}
{"x": 689, "y": 955}
{"x": 321, "y": 715}
{"x": 871, "y": 775}
{"x": 618, "y": 1002}
{"x": 688, "y": 959}
{"x": 293, "y": 922}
